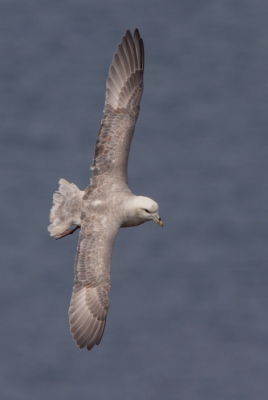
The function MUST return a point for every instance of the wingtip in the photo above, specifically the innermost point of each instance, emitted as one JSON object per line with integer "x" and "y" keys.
{"x": 136, "y": 32}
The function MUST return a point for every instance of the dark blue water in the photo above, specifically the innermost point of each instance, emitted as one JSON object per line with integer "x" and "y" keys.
{"x": 188, "y": 316}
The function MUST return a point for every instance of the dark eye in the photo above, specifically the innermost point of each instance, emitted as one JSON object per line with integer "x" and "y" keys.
{"x": 146, "y": 210}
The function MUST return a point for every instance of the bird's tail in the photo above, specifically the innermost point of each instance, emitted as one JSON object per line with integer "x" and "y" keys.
{"x": 66, "y": 210}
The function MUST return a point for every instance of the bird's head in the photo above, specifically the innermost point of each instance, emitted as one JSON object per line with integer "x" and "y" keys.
{"x": 147, "y": 210}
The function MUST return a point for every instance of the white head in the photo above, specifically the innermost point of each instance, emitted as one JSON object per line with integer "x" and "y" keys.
{"x": 143, "y": 209}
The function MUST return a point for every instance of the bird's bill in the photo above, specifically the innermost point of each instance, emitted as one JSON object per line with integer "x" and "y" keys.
{"x": 158, "y": 220}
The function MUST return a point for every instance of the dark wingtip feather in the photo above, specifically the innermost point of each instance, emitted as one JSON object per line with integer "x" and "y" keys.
{"x": 99, "y": 340}
{"x": 137, "y": 38}
{"x": 137, "y": 33}
{"x": 142, "y": 54}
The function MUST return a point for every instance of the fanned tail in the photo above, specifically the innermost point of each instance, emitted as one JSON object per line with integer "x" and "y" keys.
{"x": 66, "y": 210}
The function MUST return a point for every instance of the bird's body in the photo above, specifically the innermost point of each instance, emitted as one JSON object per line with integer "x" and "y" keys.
{"x": 107, "y": 204}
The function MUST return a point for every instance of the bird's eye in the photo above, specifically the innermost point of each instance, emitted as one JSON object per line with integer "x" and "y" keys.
{"x": 146, "y": 210}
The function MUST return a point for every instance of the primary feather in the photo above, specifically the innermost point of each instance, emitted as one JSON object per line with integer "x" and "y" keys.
{"x": 107, "y": 203}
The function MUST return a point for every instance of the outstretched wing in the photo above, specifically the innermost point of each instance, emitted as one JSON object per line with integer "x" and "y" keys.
{"x": 124, "y": 88}
{"x": 90, "y": 297}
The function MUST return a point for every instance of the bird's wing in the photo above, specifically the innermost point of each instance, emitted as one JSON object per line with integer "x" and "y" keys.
{"x": 90, "y": 297}
{"x": 124, "y": 88}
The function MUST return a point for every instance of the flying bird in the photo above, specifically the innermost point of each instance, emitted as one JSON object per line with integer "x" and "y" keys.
{"x": 107, "y": 204}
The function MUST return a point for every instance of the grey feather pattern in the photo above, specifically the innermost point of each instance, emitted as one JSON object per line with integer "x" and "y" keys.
{"x": 90, "y": 298}
{"x": 124, "y": 88}
{"x": 66, "y": 210}
{"x": 97, "y": 209}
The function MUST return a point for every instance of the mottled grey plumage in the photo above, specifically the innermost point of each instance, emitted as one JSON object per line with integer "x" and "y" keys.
{"x": 107, "y": 203}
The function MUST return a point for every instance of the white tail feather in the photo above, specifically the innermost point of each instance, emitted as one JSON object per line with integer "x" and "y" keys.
{"x": 66, "y": 210}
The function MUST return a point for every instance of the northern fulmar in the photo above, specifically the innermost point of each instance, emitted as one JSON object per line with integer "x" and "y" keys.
{"x": 107, "y": 204}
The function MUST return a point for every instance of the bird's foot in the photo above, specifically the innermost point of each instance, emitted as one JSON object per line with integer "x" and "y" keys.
{"x": 66, "y": 232}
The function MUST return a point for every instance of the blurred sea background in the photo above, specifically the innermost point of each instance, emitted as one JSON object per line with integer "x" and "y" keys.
{"x": 188, "y": 314}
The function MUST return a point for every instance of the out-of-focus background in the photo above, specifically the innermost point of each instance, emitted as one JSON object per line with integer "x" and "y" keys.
{"x": 188, "y": 316}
